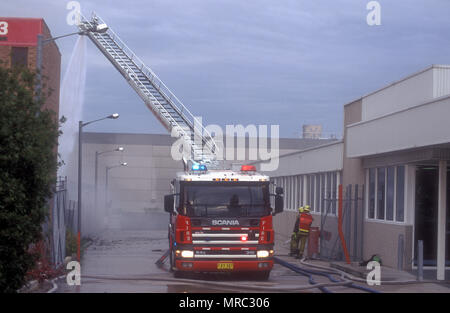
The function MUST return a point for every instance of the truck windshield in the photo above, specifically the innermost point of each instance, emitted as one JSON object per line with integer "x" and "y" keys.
{"x": 225, "y": 200}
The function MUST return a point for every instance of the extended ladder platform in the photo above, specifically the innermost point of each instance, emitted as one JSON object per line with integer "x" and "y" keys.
{"x": 167, "y": 108}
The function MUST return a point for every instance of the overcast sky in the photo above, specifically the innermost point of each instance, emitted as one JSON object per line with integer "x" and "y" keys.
{"x": 285, "y": 62}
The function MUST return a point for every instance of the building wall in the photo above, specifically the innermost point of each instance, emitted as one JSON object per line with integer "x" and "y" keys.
{"x": 415, "y": 89}
{"x": 137, "y": 187}
{"x": 22, "y": 32}
{"x": 399, "y": 117}
{"x": 353, "y": 172}
{"x": 143, "y": 183}
{"x": 323, "y": 158}
{"x": 5, "y": 56}
{"x": 309, "y": 177}
{"x": 419, "y": 126}
{"x": 51, "y": 69}
{"x": 399, "y": 125}
{"x": 352, "y": 176}
{"x": 383, "y": 239}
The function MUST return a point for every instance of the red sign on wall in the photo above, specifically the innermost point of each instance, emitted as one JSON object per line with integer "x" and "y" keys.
{"x": 19, "y": 31}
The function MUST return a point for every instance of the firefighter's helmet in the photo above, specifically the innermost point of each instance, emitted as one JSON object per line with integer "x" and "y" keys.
{"x": 300, "y": 209}
{"x": 306, "y": 208}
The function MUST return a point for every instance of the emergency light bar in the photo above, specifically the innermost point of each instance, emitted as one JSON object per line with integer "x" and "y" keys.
{"x": 199, "y": 167}
{"x": 248, "y": 168}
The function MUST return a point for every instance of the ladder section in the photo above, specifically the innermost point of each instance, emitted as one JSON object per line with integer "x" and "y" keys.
{"x": 167, "y": 108}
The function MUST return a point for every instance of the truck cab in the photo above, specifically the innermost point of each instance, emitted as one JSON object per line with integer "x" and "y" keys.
{"x": 221, "y": 221}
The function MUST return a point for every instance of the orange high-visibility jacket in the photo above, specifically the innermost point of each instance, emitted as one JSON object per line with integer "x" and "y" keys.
{"x": 305, "y": 222}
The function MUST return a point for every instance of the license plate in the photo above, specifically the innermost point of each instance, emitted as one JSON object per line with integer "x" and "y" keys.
{"x": 225, "y": 266}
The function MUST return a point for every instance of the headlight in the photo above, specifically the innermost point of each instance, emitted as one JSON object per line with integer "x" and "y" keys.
{"x": 187, "y": 254}
{"x": 262, "y": 254}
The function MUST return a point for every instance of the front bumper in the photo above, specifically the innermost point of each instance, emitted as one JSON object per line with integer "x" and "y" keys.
{"x": 191, "y": 265}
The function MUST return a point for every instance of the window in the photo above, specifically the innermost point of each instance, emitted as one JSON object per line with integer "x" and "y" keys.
{"x": 322, "y": 192}
{"x": 317, "y": 204}
{"x": 311, "y": 190}
{"x": 400, "y": 199}
{"x": 334, "y": 194}
{"x": 329, "y": 193}
{"x": 319, "y": 191}
{"x": 371, "y": 211}
{"x": 381, "y": 179}
{"x": 300, "y": 191}
{"x": 390, "y": 193}
{"x": 292, "y": 191}
{"x": 225, "y": 200}
{"x": 386, "y": 193}
{"x": 19, "y": 56}
{"x": 308, "y": 186}
{"x": 288, "y": 193}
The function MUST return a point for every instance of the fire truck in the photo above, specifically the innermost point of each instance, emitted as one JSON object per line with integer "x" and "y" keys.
{"x": 221, "y": 221}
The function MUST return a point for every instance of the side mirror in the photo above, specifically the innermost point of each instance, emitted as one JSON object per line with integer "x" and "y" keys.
{"x": 169, "y": 203}
{"x": 279, "y": 190}
{"x": 279, "y": 204}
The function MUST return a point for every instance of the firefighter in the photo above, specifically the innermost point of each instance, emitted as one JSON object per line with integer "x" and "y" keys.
{"x": 301, "y": 232}
{"x": 294, "y": 236}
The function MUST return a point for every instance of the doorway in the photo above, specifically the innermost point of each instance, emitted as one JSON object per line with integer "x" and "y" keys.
{"x": 426, "y": 214}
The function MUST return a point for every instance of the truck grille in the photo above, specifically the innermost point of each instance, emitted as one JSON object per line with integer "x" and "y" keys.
{"x": 225, "y": 253}
{"x": 229, "y": 237}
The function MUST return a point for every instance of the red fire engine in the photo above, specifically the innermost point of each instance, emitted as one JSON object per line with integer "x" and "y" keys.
{"x": 221, "y": 221}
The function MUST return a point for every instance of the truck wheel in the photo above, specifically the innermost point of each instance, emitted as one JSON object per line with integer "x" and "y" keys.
{"x": 263, "y": 275}
{"x": 178, "y": 274}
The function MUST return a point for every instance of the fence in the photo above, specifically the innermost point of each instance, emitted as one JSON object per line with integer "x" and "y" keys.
{"x": 58, "y": 220}
{"x": 352, "y": 224}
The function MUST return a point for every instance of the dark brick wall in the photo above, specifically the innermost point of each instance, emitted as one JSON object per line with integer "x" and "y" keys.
{"x": 51, "y": 67}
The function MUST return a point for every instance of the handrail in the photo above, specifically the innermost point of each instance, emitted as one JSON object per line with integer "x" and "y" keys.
{"x": 160, "y": 87}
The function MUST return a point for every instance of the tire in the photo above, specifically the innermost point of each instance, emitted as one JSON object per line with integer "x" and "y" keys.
{"x": 263, "y": 276}
{"x": 179, "y": 274}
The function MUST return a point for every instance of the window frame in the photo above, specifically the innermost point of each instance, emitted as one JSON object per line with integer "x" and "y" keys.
{"x": 375, "y": 217}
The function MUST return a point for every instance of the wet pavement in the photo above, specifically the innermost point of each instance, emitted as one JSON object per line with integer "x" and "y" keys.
{"x": 123, "y": 260}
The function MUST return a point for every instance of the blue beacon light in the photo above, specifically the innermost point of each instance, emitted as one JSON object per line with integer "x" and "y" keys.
{"x": 199, "y": 167}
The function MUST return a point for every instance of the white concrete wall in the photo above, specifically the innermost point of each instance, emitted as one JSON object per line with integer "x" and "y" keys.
{"x": 441, "y": 81}
{"x": 420, "y": 126}
{"x": 325, "y": 158}
{"x": 416, "y": 89}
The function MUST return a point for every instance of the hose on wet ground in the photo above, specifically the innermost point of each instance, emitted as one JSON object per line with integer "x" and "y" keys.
{"x": 227, "y": 286}
{"x": 310, "y": 273}
{"x": 302, "y": 272}
{"x": 217, "y": 285}
{"x": 310, "y": 277}
{"x": 389, "y": 282}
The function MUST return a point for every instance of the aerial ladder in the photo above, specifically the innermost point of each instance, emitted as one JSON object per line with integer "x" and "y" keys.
{"x": 239, "y": 240}
{"x": 166, "y": 107}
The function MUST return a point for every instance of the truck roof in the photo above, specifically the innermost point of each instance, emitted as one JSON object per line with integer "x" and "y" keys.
{"x": 221, "y": 175}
